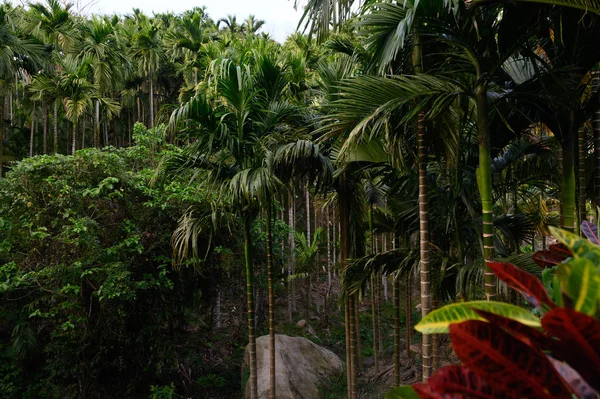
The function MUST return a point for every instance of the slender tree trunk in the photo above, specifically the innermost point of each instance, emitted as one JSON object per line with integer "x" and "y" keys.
{"x": 408, "y": 314}
{"x": 83, "y": 128}
{"x": 130, "y": 117}
{"x": 435, "y": 344}
{"x": 55, "y": 122}
{"x": 250, "y": 299}
{"x": 32, "y": 131}
{"x": 358, "y": 339}
{"x": 139, "y": 108}
{"x": 344, "y": 207}
{"x": 45, "y": 127}
{"x": 97, "y": 125}
{"x": 353, "y": 354}
{"x": 568, "y": 188}
{"x": 485, "y": 186}
{"x": 292, "y": 264}
{"x": 269, "y": 220}
{"x": 151, "y": 102}
{"x": 373, "y": 294}
{"x": 74, "y": 145}
{"x": 396, "y": 331}
{"x": 581, "y": 172}
{"x": 348, "y": 351}
{"x": 328, "y": 251}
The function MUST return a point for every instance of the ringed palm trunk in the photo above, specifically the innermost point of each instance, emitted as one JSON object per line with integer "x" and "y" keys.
{"x": 97, "y": 125}
{"x": 485, "y": 187}
{"x": 397, "y": 330}
{"x": 74, "y": 144}
{"x": 151, "y": 101}
{"x": 55, "y": 122}
{"x": 581, "y": 173}
{"x": 373, "y": 296}
{"x": 568, "y": 189}
{"x": 423, "y": 213}
{"x": 349, "y": 303}
{"x": 250, "y": 303}
{"x": 269, "y": 239}
{"x": 31, "y": 133}
{"x": 45, "y": 129}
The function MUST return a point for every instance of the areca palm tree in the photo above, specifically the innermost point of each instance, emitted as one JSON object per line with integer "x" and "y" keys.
{"x": 108, "y": 62}
{"x": 233, "y": 120}
{"x": 14, "y": 53}
{"x": 148, "y": 52}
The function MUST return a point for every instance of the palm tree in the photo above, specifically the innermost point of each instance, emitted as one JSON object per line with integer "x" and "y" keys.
{"x": 108, "y": 62}
{"x": 14, "y": 53}
{"x": 148, "y": 52}
{"x": 307, "y": 252}
{"x": 233, "y": 121}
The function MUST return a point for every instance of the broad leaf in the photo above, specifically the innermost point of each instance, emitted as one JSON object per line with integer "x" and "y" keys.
{"x": 584, "y": 286}
{"x": 577, "y": 384}
{"x": 580, "y": 247}
{"x": 505, "y": 362}
{"x": 405, "y": 392}
{"x": 591, "y": 232}
{"x": 438, "y": 321}
{"x": 561, "y": 250}
{"x": 525, "y": 283}
{"x": 579, "y": 344}
{"x": 459, "y": 380}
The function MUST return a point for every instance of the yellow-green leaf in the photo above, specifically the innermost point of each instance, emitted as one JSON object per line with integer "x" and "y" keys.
{"x": 580, "y": 247}
{"x": 438, "y": 321}
{"x": 584, "y": 286}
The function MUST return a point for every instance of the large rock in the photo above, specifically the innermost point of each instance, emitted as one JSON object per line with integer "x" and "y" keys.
{"x": 300, "y": 365}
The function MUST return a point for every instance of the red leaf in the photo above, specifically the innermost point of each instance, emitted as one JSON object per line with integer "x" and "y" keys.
{"x": 560, "y": 249}
{"x": 577, "y": 384}
{"x": 547, "y": 258}
{"x": 579, "y": 344}
{"x": 527, "y": 284}
{"x": 459, "y": 380}
{"x": 505, "y": 362}
{"x": 528, "y": 335}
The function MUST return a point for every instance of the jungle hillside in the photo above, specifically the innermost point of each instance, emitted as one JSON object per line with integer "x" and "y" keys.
{"x": 400, "y": 200}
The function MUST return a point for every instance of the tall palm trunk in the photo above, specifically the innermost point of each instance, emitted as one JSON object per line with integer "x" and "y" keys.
{"x": 357, "y": 334}
{"x": 408, "y": 314}
{"x": 45, "y": 129}
{"x": 581, "y": 173}
{"x": 32, "y": 131}
{"x": 74, "y": 144}
{"x": 151, "y": 101}
{"x": 568, "y": 186}
{"x": 397, "y": 330}
{"x": 269, "y": 239}
{"x": 292, "y": 246}
{"x": 344, "y": 205}
{"x": 97, "y": 125}
{"x": 373, "y": 293}
{"x": 55, "y": 122}
{"x": 484, "y": 175}
{"x": 417, "y": 59}
{"x": 250, "y": 302}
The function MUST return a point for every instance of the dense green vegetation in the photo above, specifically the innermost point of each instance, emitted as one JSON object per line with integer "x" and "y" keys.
{"x": 173, "y": 187}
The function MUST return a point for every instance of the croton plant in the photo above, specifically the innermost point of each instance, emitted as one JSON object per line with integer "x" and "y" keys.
{"x": 508, "y": 351}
